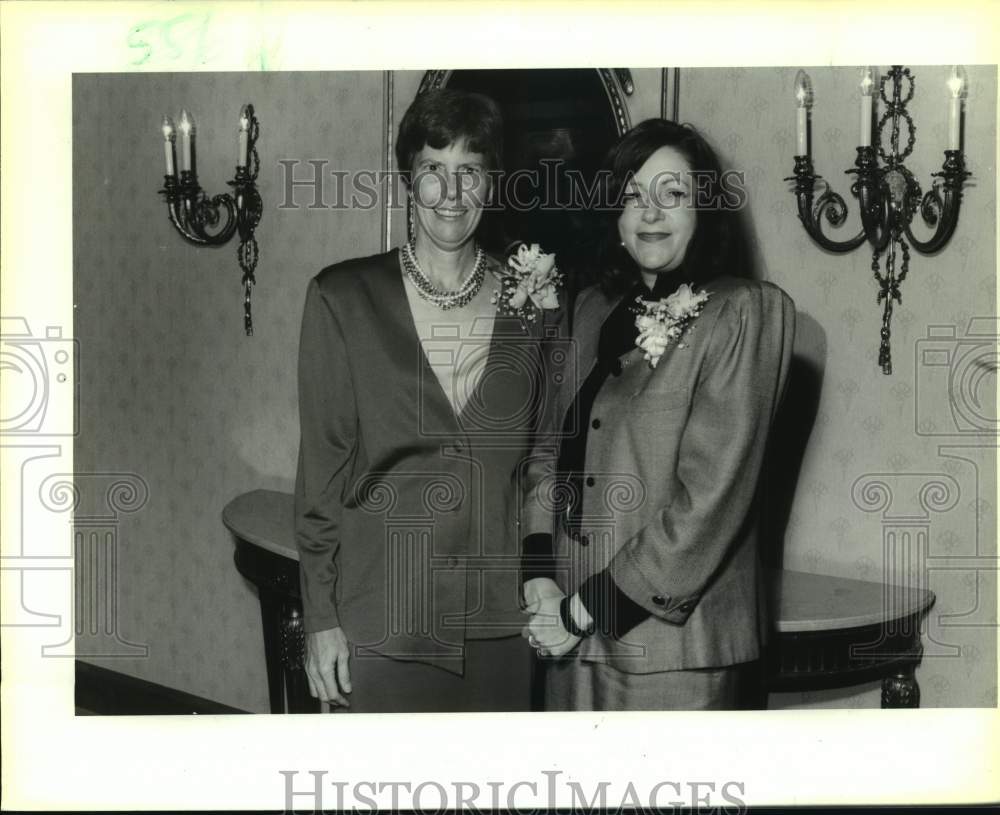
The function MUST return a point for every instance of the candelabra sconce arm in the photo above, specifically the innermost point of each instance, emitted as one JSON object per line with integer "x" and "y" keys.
{"x": 196, "y": 216}
{"x": 887, "y": 193}
{"x": 875, "y": 199}
{"x": 212, "y": 221}
{"x": 830, "y": 205}
{"x": 942, "y": 213}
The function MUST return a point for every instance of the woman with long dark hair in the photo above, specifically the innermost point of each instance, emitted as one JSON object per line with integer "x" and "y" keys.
{"x": 640, "y": 551}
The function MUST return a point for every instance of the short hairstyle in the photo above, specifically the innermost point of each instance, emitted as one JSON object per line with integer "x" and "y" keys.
{"x": 446, "y": 116}
{"x": 709, "y": 253}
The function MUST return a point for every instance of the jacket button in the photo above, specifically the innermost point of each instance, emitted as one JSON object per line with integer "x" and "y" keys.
{"x": 685, "y": 607}
{"x": 590, "y": 481}
{"x": 584, "y": 540}
{"x": 595, "y": 424}
{"x": 659, "y": 599}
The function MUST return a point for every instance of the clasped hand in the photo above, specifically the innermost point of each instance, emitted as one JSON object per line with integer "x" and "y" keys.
{"x": 328, "y": 668}
{"x": 545, "y": 631}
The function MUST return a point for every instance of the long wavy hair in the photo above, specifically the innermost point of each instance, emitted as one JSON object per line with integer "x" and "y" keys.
{"x": 711, "y": 250}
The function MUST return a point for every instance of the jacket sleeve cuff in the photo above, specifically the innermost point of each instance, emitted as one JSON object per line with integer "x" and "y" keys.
{"x": 320, "y": 622}
{"x": 319, "y": 604}
{"x": 537, "y": 557}
{"x": 614, "y": 612}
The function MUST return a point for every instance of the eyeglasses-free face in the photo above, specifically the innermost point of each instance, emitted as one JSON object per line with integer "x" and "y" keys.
{"x": 659, "y": 216}
{"x": 450, "y": 187}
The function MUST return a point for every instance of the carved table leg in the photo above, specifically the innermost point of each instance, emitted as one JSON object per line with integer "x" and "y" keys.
{"x": 293, "y": 660}
{"x": 271, "y": 620}
{"x": 900, "y": 689}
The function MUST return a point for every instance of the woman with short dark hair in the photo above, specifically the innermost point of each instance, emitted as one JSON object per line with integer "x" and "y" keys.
{"x": 419, "y": 385}
{"x": 640, "y": 553}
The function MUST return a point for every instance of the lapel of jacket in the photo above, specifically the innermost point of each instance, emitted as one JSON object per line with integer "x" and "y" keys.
{"x": 506, "y": 329}
{"x": 586, "y": 333}
{"x": 422, "y": 387}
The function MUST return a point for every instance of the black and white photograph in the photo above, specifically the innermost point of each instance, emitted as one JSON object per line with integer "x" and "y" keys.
{"x": 550, "y": 396}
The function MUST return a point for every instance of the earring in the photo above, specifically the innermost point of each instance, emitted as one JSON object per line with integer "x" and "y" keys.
{"x": 411, "y": 218}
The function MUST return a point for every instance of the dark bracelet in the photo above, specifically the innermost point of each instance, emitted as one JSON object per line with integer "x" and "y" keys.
{"x": 570, "y": 624}
{"x": 537, "y": 558}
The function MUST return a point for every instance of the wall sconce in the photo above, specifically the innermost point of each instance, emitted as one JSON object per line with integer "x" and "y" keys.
{"x": 888, "y": 194}
{"x": 198, "y": 217}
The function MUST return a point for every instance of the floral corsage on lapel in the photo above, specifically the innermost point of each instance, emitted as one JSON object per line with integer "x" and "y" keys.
{"x": 529, "y": 283}
{"x": 661, "y": 322}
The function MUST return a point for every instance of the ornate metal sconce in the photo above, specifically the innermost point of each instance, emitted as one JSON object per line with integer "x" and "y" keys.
{"x": 888, "y": 194}
{"x": 212, "y": 221}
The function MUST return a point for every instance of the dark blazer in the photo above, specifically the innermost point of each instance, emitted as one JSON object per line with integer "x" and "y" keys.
{"x": 405, "y": 514}
{"x": 673, "y": 461}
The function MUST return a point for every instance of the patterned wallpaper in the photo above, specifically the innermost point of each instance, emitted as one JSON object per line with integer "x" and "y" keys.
{"x": 171, "y": 389}
{"x": 177, "y": 403}
{"x": 864, "y": 433}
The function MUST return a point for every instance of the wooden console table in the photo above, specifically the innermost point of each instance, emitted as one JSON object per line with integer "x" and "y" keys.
{"x": 830, "y": 632}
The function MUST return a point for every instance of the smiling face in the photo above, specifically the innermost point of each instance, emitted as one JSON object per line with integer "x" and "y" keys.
{"x": 659, "y": 218}
{"x": 449, "y": 189}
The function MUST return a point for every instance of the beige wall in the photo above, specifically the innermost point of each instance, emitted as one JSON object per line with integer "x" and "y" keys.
{"x": 171, "y": 389}
{"x": 174, "y": 393}
{"x": 866, "y": 424}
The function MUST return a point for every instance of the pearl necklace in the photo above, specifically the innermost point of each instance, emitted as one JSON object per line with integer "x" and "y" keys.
{"x": 443, "y": 299}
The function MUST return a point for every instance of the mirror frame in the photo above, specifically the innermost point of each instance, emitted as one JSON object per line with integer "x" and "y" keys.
{"x": 617, "y": 83}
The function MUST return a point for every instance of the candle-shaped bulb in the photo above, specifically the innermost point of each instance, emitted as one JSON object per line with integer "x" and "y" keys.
{"x": 187, "y": 129}
{"x": 186, "y": 123}
{"x": 867, "y": 84}
{"x": 867, "y": 88}
{"x": 168, "y": 143}
{"x": 803, "y": 90}
{"x": 957, "y": 85}
{"x": 958, "y": 82}
{"x": 803, "y": 101}
{"x": 243, "y": 137}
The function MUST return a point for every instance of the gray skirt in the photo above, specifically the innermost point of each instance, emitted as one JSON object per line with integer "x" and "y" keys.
{"x": 497, "y": 677}
{"x": 572, "y": 684}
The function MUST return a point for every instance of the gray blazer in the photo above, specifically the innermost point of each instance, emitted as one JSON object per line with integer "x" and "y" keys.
{"x": 673, "y": 464}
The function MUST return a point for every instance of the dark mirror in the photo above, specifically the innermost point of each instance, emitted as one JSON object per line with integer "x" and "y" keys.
{"x": 558, "y": 125}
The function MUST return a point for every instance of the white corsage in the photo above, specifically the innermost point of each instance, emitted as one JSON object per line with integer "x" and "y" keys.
{"x": 529, "y": 284}
{"x": 665, "y": 321}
